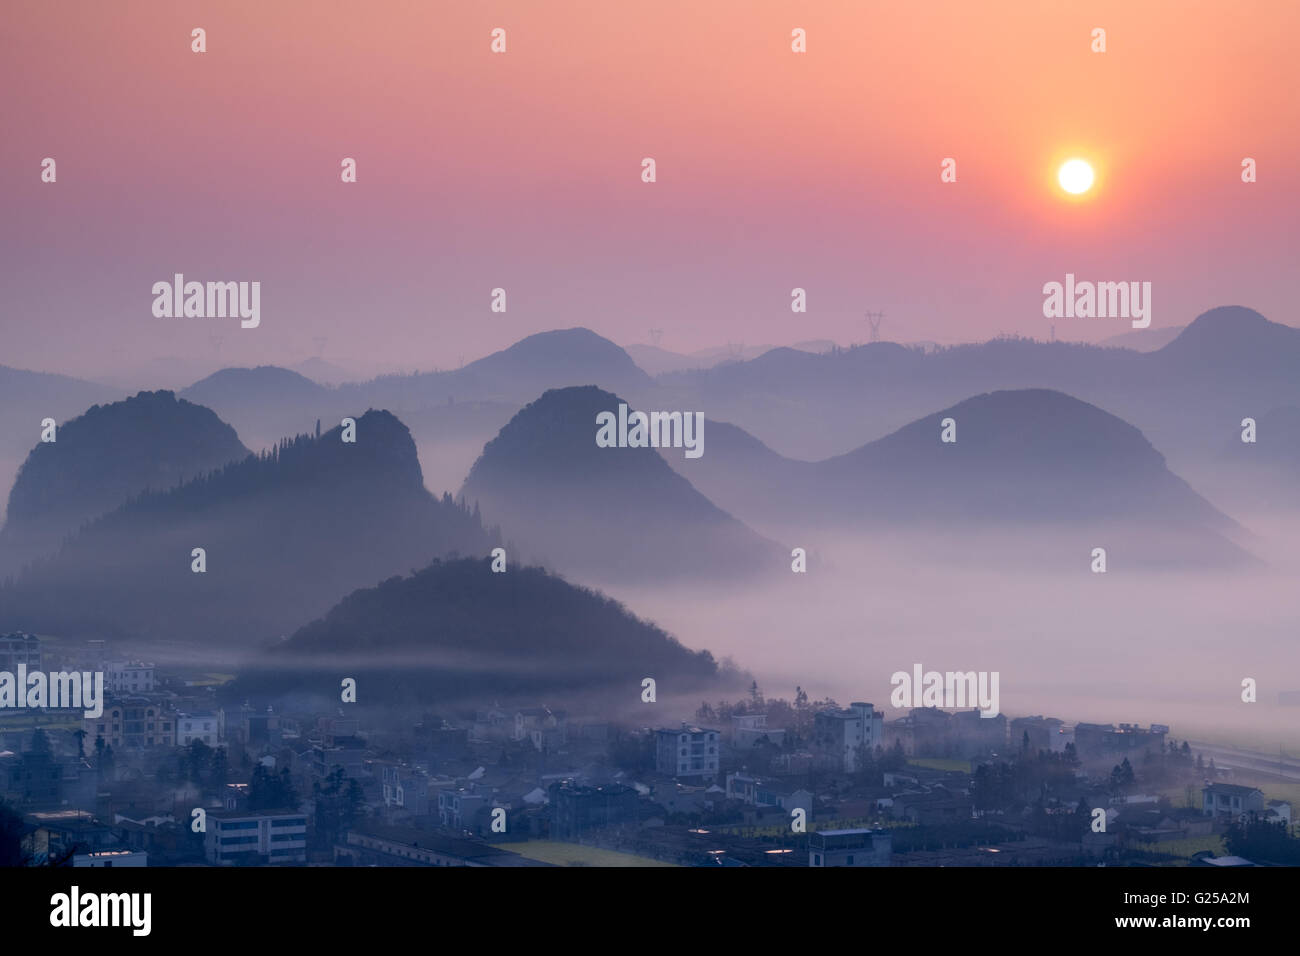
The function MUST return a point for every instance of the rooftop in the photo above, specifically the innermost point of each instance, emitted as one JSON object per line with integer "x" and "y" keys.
{"x": 1226, "y": 861}
{"x": 451, "y": 846}
{"x": 687, "y": 729}
{"x": 1231, "y": 789}
{"x": 250, "y": 814}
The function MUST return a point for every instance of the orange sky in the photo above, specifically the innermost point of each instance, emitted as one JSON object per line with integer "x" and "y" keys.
{"x": 521, "y": 170}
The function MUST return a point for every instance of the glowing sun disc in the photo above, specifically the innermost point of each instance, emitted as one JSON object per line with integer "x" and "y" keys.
{"x": 1075, "y": 176}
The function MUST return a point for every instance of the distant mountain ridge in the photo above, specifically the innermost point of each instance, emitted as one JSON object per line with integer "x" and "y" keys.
{"x": 1183, "y": 396}
{"x": 285, "y": 534}
{"x": 266, "y": 402}
{"x": 518, "y": 373}
{"x": 106, "y": 456}
{"x": 606, "y": 513}
{"x": 658, "y": 361}
{"x": 28, "y": 398}
{"x": 1021, "y": 459}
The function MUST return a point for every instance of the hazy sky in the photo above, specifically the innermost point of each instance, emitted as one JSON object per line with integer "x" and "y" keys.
{"x": 523, "y": 170}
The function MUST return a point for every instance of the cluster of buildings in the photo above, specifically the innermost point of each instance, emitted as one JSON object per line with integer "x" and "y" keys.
{"x": 137, "y": 714}
{"x": 464, "y": 789}
{"x": 840, "y": 739}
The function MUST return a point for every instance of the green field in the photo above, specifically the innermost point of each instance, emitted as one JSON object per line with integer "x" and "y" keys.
{"x": 939, "y": 763}
{"x": 1273, "y": 790}
{"x": 1188, "y": 847}
{"x": 572, "y": 854}
{"x": 212, "y": 680}
{"x": 783, "y": 830}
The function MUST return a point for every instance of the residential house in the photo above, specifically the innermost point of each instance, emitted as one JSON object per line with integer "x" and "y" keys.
{"x": 1106, "y": 740}
{"x": 577, "y": 810}
{"x": 758, "y": 792}
{"x": 838, "y": 734}
{"x": 687, "y": 752}
{"x": 459, "y": 807}
{"x": 1228, "y": 799}
{"x": 860, "y": 847}
{"x": 545, "y": 728}
{"x": 20, "y": 648}
{"x": 207, "y": 726}
{"x": 1278, "y": 811}
{"x": 1044, "y": 733}
{"x": 749, "y": 729}
{"x": 123, "y": 678}
{"x": 132, "y": 723}
{"x": 406, "y": 788}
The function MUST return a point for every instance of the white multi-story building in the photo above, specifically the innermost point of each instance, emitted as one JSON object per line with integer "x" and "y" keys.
{"x": 839, "y": 733}
{"x": 850, "y": 848}
{"x": 687, "y": 752}
{"x": 205, "y": 725}
{"x": 128, "y": 677}
{"x": 19, "y": 648}
{"x": 278, "y": 835}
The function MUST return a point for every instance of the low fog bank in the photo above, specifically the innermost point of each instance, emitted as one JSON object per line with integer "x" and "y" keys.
{"x": 1126, "y": 646}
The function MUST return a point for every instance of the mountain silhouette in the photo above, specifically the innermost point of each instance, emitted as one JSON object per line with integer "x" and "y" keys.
{"x": 28, "y": 398}
{"x": 1023, "y": 459}
{"x": 515, "y": 374}
{"x": 285, "y": 532}
{"x": 1025, "y": 455}
{"x": 457, "y": 630}
{"x": 658, "y": 361}
{"x": 1277, "y": 441}
{"x": 1232, "y": 342}
{"x": 442, "y": 408}
{"x": 1262, "y": 475}
{"x": 1143, "y": 340}
{"x": 265, "y": 403}
{"x": 106, "y": 456}
{"x": 605, "y": 513}
{"x": 1186, "y": 397}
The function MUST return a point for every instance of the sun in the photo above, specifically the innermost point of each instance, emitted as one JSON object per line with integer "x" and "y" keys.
{"x": 1075, "y": 176}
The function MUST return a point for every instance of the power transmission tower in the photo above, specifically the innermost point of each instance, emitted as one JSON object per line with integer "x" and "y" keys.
{"x": 656, "y": 335}
{"x": 874, "y": 319}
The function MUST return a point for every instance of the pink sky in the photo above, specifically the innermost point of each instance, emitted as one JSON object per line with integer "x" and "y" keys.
{"x": 522, "y": 170}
